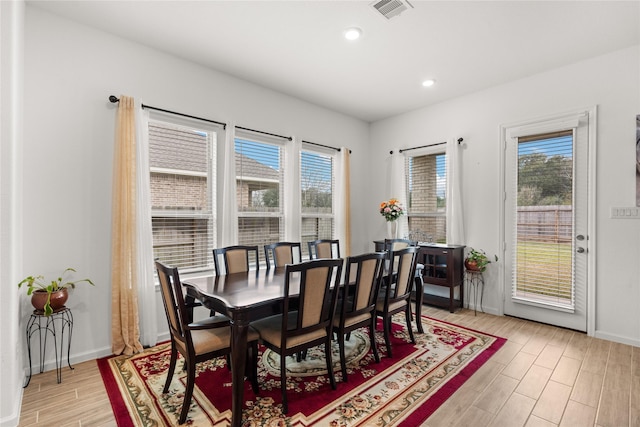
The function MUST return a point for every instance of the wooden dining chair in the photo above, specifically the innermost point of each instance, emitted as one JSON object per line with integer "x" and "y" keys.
{"x": 282, "y": 253}
{"x": 357, "y": 303}
{"x": 394, "y": 245}
{"x": 324, "y": 248}
{"x": 198, "y": 341}
{"x": 395, "y": 298}
{"x": 236, "y": 259}
{"x": 310, "y": 323}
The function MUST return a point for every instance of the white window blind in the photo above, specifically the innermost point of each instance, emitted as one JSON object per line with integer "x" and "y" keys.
{"x": 182, "y": 190}
{"x": 259, "y": 194}
{"x": 426, "y": 183}
{"x": 317, "y": 190}
{"x": 543, "y": 271}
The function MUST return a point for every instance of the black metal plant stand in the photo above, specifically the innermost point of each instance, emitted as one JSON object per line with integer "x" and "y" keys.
{"x": 475, "y": 280}
{"x": 57, "y": 324}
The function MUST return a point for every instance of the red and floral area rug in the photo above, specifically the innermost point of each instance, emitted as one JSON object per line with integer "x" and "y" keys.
{"x": 399, "y": 391}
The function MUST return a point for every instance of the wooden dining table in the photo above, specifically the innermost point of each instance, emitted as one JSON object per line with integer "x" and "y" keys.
{"x": 246, "y": 297}
{"x": 243, "y": 297}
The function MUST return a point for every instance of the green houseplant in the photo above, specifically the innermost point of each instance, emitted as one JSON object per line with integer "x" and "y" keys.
{"x": 477, "y": 260}
{"x": 50, "y": 295}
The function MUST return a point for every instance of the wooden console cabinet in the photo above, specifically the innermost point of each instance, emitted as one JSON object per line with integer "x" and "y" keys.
{"x": 443, "y": 266}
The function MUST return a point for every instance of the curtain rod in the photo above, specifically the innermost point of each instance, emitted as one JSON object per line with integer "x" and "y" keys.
{"x": 424, "y": 146}
{"x": 114, "y": 99}
{"x": 322, "y": 145}
{"x": 266, "y": 133}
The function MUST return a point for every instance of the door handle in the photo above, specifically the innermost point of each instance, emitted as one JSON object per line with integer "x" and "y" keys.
{"x": 580, "y": 250}
{"x": 580, "y": 237}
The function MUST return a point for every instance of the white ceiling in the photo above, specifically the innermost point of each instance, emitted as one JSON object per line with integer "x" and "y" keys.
{"x": 297, "y": 48}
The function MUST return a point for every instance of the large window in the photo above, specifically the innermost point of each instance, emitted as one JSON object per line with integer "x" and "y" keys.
{"x": 259, "y": 191}
{"x": 182, "y": 188}
{"x": 427, "y": 197}
{"x": 317, "y": 183}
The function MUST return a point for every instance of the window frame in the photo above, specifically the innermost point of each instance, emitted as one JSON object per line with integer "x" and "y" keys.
{"x": 280, "y": 214}
{"x": 427, "y": 235}
{"x": 333, "y": 155}
{"x": 209, "y": 213}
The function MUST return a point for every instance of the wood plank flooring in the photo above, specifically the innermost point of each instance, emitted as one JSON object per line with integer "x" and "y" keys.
{"x": 542, "y": 377}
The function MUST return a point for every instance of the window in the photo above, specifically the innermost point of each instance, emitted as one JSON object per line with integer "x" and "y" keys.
{"x": 182, "y": 188}
{"x": 317, "y": 183}
{"x": 259, "y": 190}
{"x": 544, "y": 227}
{"x": 426, "y": 177}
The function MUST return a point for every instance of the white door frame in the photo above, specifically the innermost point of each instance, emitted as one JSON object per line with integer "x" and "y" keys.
{"x": 505, "y": 290}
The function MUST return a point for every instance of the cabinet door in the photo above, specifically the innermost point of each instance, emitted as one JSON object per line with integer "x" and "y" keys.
{"x": 435, "y": 267}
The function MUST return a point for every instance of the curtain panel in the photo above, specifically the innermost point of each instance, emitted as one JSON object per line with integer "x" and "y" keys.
{"x": 125, "y": 333}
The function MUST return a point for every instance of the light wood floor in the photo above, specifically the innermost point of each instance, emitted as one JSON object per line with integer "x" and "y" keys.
{"x": 543, "y": 376}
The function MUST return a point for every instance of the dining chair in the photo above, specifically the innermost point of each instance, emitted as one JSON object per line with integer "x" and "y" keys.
{"x": 282, "y": 253}
{"x": 357, "y": 303}
{"x": 394, "y": 245}
{"x": 324, "y": 248}
{"x": 236, "y": 259}
{"x": 310, "y": 323}
{"x": 197, "y": 341}
{"x": 395, "y": 298}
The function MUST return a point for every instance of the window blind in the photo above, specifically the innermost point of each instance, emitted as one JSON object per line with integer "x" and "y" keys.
{"x": 543, "y": 271}
{"x": 182, "y": 194}
{"x": 259, "y": 190}
{"x": 317, "y": 190}
{"x": 426, "y": 183}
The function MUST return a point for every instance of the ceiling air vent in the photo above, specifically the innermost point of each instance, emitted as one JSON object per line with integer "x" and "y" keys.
{"x": 391, "y": 8}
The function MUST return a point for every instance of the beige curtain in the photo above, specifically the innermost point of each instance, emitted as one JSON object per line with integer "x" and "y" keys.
{"x": 125, "y": 332}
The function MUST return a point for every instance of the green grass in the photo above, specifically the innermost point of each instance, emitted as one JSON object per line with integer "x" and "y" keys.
{"x": 544, "y": 269}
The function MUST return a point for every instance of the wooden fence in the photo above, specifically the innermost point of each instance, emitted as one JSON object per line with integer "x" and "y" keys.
{"x": 552, "y": 224}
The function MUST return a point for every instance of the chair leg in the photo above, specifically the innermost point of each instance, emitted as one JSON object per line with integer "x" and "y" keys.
{"x": 327, "y": 350}
{"x": 372, "y": 339}
{"x": 409, "y": 326}
{"x": 387, "y": 334}
{"x": 343, "y": 357}
{"x": 172, "y": 368}
{"x": 283, "y": 382}
{"x": 254, "y": 367}
{"x": 188, "y": 393}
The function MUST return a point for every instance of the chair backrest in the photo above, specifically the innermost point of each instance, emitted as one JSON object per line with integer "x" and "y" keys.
{"x": 360, "y": 296}
{"x": 319, "y": 284}
{"x": 236, "y": 259}
{"x": 282, "y": 253}
{"x": 405, "y": 259}
{"x": 324, "y": 248}
{"x": 174, "y": 305}
{"x": 397, "y": 244}
{"x": 394, "y": 245}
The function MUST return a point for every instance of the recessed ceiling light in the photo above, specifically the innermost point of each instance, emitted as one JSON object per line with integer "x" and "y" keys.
{"x": 428, "y": 83}
{"x": 353, "y": 33}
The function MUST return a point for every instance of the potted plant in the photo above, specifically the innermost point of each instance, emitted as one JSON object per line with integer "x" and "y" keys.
{"x": 477, "y": 260}
{"x": 47, "y": 296}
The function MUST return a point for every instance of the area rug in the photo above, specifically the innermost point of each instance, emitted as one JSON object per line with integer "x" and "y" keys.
{"x": 399, "y": 391}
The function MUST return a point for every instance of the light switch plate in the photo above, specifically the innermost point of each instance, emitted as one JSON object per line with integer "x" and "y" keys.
{"x": 626, "y": 213}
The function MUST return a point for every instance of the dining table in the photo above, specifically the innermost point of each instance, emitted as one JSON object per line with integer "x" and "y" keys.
{"x": 242, "y": 297}
{"x": 246, "y": 297}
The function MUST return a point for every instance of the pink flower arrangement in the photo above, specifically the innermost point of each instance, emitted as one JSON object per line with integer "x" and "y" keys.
{"x": 391, "y": 210}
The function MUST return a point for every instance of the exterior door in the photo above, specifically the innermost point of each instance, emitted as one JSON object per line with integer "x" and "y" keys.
{"x": 546, "y": 220}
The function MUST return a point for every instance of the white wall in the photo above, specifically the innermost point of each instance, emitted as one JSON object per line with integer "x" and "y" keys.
{"x": 612, "y": 82}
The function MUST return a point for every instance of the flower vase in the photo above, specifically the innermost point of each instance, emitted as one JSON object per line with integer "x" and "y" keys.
{"x": 392, "y": 229}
